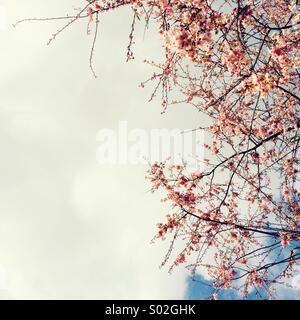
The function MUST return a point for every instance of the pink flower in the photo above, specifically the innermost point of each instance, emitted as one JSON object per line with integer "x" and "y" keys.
{"x": 196, "y": 175}
{"x": 278, "y": 51}
{"x": 285, "y": 192}
{"x": 97, "y": 6}
{"x": 214, "y": 296}
{"x": 90, "y": 12}
{"x": 180, "y": 258}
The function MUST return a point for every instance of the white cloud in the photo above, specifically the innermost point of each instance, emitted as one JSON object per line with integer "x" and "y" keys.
{"x": 68, "y": 227}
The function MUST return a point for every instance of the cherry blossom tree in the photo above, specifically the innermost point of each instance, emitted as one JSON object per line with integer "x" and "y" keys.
{"x": 237, "y": 62}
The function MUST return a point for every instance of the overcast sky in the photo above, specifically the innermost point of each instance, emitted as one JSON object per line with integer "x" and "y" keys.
{"x": 69, "y": 227}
